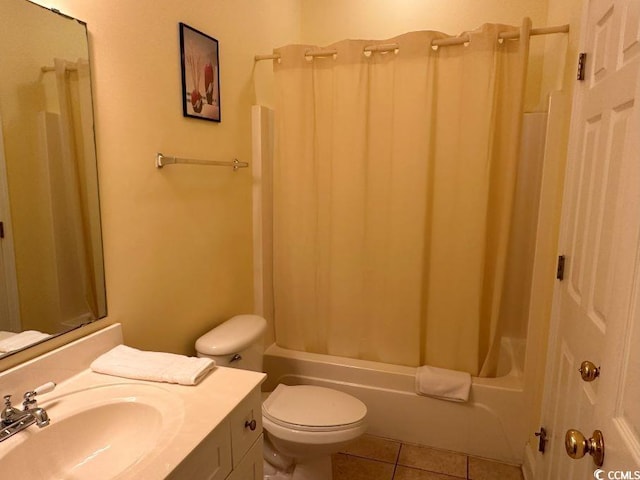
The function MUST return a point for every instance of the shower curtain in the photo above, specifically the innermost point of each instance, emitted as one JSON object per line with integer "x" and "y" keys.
{"x": 69, "y": 151}
{"x": 393, "y": 182}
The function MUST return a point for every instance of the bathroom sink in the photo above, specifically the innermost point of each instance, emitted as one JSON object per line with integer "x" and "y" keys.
{"x": 101, "y": 432}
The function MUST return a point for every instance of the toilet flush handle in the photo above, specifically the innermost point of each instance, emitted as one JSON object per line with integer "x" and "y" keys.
{"x": 235, "y": 358}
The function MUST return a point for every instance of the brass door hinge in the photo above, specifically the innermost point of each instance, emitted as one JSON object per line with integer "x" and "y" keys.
{"x": 542, "y": 439}
{"x": 560, "y": 268}
{"x": 582, "y": 60}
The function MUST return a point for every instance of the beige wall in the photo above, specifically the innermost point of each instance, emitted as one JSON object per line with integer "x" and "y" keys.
{"x": 562, "y": 50}
{"x": 177, "y": 241}
{"x": 327, "y": 21}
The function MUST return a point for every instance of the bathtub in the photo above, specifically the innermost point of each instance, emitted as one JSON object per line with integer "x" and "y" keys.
{"x": 491, "y": 425}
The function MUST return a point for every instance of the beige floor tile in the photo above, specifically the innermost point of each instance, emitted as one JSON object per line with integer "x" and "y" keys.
{"x": 375, "y": 448}
{"x": 347, "y": 467}
{"x": 439, "y": 461}
{"x": 481, "y": 469}
{"x": 406, "y": 473}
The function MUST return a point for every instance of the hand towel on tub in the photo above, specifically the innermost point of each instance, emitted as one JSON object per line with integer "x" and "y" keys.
{"x": 123, "y": 361}
{"x": 443, "y": 384}
{"x": 16, "y": 341}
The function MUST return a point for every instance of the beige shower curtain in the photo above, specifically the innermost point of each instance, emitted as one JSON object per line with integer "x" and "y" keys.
{"x": 74, "y": 173}
{"x": 393, "y": 181}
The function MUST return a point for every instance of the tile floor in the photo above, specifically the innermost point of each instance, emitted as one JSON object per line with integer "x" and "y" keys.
{"x": 375, "y": 458}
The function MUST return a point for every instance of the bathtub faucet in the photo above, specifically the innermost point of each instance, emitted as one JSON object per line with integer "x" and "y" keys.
{"x": 15, "y": 420}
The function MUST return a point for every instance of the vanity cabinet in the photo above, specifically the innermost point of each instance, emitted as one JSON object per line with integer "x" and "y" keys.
{"x": 210, "y": 460}
{"x": 233, "y": 450}
{"x": 251, "y": 466}
{"x": 246, "y": 438}
{"x": 246, "y": 425}
{"x": 211, "y": 431}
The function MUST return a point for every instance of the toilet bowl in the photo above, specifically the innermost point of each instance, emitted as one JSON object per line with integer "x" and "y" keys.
{"x": 304, "y": 424}
{"x": 307, "y": 421}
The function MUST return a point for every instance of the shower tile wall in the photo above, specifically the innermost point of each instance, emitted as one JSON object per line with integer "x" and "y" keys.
{"x": 375, "y": 458}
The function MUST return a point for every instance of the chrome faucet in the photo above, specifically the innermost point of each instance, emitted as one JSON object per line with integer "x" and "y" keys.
{"x": 15, "y": 420}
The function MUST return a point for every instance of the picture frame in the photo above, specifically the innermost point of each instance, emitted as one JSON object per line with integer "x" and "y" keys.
{"x": 200, "y": 67}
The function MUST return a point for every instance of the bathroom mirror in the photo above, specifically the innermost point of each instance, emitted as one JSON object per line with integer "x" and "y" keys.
{"x": 51, "y": 264}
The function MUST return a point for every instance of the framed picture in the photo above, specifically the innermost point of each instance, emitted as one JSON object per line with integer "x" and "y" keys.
{"x": 200, "y": 74}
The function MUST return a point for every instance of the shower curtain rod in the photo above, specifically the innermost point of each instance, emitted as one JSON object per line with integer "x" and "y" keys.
{"x": 162, "y": 160}
{"x": 439, "y": 42}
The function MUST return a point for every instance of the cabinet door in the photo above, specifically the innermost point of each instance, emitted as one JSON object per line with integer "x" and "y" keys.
{"x": 246, "y": 425}
{"x": 251, "y": 466}
{"x": 211, "y": 460}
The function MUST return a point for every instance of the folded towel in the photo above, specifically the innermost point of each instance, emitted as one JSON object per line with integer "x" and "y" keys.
{"x": 4, "y": 335}
{"x": 443, "y": 384}
{"x": 21, "y": 340}
{"x": 123, "y": 361}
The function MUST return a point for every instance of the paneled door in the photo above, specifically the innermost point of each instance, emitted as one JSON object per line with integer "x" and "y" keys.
{"x": 9, "y": 304}
{"x": 596, "y": 312}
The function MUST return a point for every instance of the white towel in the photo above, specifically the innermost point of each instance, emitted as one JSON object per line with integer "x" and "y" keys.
{"x": 21, "y": 340}
{"x": 4, "y": 335}
{"x": 443, "y": 384}
{"x": 123, "y": 361}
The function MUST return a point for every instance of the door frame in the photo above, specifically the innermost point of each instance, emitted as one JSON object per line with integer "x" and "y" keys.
{"x": 540, "y": 465}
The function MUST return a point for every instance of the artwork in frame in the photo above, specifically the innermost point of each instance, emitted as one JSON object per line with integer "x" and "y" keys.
{"x": 200, "y": 74}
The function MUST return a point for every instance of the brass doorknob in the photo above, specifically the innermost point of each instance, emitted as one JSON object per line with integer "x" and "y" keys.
{"x": 577, "y": 445}
{"x": 588, "y": 371}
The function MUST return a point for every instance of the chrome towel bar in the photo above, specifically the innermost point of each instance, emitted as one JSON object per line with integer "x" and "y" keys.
{"x": 162, "y": 160}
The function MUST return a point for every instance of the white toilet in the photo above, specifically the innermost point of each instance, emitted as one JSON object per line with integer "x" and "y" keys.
{"x": 304, "y": 424}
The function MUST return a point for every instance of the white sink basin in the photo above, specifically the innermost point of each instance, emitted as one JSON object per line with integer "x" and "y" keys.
{"x": 95, "y": 433}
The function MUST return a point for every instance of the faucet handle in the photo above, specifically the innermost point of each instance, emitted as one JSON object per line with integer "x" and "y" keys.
{"x": 29, "y": 397}
{"x": 8, "y": 412}
{"x": 44, "y": 388}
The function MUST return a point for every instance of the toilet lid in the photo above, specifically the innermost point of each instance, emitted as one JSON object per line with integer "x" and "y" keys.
{"x": 313, "y": 407}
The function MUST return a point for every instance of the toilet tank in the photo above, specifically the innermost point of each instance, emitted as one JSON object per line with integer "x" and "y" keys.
{"x": 237, "y": 343}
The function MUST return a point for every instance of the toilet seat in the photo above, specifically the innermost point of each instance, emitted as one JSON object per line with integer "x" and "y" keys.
{"x": 309, "y": 408}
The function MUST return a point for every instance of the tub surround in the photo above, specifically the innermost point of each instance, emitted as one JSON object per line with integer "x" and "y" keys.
{"x": 205, "y": 418}
{"x": 489, "y": 425}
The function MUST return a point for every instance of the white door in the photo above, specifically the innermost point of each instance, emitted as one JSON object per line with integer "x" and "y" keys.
{"x": 9, "y": 304}
{"x": 596, "y": 313}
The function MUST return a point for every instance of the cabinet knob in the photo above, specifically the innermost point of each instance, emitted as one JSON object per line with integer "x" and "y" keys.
{"x": 250, "y": 424}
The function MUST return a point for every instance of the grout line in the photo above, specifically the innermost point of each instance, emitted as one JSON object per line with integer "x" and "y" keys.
{"x": 402, "y": 445}
{"x": 393, "y": 475}
{"x": 395, "y": 465}
{"x": 364, "y": 457}
{"x": 467, "y": 467}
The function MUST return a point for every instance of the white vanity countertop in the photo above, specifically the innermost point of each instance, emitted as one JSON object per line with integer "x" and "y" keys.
{"x": 196, "y": 411}
{"x": 205, "y": 406}
{"x": 193, "y": 412}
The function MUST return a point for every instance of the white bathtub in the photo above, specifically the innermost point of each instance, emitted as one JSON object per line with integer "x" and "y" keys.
{"x": 492, "y": 424}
